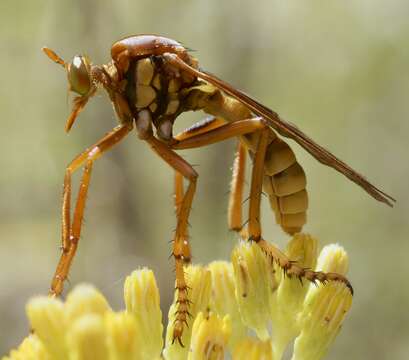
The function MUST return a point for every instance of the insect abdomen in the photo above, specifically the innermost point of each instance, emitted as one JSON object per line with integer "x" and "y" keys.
{"x": 284, "y": 179}
{"x": 285, "y": 182}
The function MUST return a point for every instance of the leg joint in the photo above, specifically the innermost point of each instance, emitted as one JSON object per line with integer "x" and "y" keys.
{"x": 193, "y": 177}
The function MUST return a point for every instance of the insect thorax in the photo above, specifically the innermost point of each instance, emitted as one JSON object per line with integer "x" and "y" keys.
{"x": 157, "y": 92}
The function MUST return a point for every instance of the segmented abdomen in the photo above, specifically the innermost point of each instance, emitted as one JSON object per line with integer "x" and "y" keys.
{"x": 285, "y": 182}
{"x": 284, "y": 179}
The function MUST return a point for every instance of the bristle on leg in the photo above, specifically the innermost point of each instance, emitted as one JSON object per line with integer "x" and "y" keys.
{"x": 293, "y": 269}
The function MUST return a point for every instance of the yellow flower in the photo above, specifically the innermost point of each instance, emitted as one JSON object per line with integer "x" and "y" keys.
{"x": 287, "y": 301}
{"x": 30, "y": 349}
{"x": 142, "y": 301}
{"x": 124, "y": 342}
{"x": 210, "y": 335}
{"x": 223, "y": 301}
{"x": 255, "y": 283}
{"x": 85, "y": 299}
{"x": 199, "y": 282}
{"x": 324, "y": 308}
{"x": 253, "y": 349}
{"x": 246, "y": 309}
{"x": 49, "y": 322}
{"x": 87, "y": 338}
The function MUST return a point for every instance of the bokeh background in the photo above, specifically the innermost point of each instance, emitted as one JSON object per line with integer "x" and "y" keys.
{"x": 338, "y": 69}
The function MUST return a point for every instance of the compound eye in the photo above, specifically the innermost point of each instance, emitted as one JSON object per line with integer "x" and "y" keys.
{"x": 78, "y": 75}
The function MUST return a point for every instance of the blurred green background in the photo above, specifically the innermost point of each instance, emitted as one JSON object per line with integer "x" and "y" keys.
{"x": 338, "y": 69}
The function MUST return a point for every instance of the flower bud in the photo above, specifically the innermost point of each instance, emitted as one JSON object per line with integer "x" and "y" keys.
{"x": 199, "y": 281}
{"x": 87, "y": 338}
{"x": 210, "y": 335}
{"x": 223, "y": 300}
{"x": 253, "y": 349}
{"x": 124, "y": 341}
{"x": 85, "y": 299}
{"x": 48, "y": 321}
{"x": 142, "y": 301}
{"x": 289, "y": 297}
{"x": 325, "y": 308}
{"x": 255, "y": 283}
{"x": 30, "y": 349}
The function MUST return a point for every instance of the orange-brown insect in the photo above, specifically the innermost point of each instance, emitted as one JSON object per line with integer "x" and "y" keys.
{"x": 150, "y": 81}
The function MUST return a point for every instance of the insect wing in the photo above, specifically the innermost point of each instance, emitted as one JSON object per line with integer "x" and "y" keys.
{"x": 286, "y": 129}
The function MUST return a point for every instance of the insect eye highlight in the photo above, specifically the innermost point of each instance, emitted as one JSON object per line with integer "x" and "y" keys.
{"x": 79, "y": 75}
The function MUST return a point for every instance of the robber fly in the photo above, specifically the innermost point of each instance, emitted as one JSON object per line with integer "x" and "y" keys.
{"x": 150, "y": 81}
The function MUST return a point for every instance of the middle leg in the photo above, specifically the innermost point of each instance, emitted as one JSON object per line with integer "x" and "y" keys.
{"x": 181, "y": 249}
{"x": 239, "y": 166}
{"x": 179, "y": 195}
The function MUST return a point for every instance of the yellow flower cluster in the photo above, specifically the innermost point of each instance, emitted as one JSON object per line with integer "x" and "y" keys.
{"x": 246, "y": 308}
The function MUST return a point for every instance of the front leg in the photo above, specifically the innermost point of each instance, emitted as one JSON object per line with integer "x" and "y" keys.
{"x": 71, "y": 231}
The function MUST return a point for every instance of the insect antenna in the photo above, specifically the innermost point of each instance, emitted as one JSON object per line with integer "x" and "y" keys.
{"x": 54, "y": 57}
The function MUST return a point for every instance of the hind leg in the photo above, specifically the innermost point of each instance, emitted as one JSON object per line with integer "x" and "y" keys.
{"x": 290, "y": 268}
{"x": 239, "y": 167}
{"x": 235, "y": 215}
{"x": 248, "y": 126}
